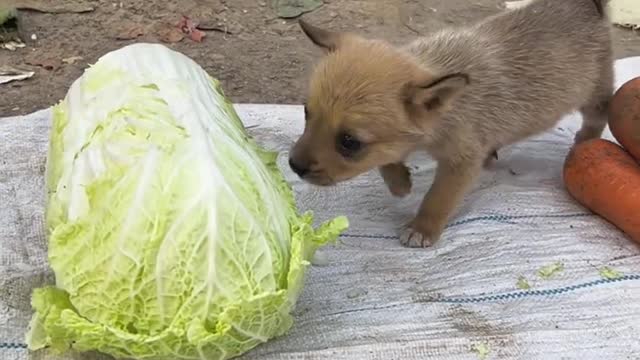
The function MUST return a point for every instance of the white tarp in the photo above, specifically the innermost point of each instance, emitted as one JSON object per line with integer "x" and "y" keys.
{"x": 625, "y": 13}
{"x": 378, "y": 300}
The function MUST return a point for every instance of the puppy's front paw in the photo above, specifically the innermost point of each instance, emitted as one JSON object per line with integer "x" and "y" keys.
{"x": 416, "y": 236}
{"x": 398, "y": 179}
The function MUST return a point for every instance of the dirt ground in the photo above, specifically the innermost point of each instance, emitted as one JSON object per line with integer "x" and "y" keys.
{"x": 259, "y": 57}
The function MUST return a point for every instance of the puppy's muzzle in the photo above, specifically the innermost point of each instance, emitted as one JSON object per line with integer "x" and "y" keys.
{"x": 300, "y": 169}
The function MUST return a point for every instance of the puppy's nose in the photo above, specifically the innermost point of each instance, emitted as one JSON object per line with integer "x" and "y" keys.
{"x": 298, "y": 168}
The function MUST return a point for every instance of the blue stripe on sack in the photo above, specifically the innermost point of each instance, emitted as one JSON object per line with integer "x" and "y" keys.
{"x": 470, "y": 300}
{"x": 494, "y": 218}
{"x": 9, "y": 345}
{"x": 533, "y": 293}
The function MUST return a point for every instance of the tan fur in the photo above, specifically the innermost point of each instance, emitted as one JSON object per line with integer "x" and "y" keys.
{"x": 460, "y": 94}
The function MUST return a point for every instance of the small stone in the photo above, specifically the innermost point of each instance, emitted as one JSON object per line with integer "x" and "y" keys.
{"x": 356, "y": 293}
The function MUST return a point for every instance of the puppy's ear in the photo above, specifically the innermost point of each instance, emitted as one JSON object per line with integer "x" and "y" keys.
{"x": 329, "y": 41}
{"x": 435, "y": 94}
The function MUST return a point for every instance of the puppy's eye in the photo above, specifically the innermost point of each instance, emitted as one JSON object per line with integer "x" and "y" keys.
{"x": 348, "y": 145}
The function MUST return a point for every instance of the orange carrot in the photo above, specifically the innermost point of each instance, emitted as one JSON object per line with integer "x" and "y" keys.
{"x": 603, "y": 177}
{"x": 624, "y": 116}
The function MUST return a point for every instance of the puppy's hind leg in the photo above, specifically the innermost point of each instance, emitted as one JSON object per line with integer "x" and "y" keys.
{"x": 490, "y": 159}
{"x": 594, "y": 120}
{"x": 594, "y": 113}
{"x": 398, "y": 178}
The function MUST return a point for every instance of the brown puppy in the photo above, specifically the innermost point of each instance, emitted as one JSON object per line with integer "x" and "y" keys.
{"x": 459, "y": 94}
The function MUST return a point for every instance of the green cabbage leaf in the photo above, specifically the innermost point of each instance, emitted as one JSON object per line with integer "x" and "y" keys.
{"x": 171, "y": 233}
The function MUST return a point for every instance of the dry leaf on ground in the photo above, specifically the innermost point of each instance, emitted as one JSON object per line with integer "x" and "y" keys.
{"x": 9, "y": 73}
{"x": 12, "y": 45}
{"x": 130, "y": 31}
{"x": 293, "y": 8}
{"x": 45, "y": 61}
{"x": 187, "y": 26}
{"x": 170, "y": 34}
{"x": 72, "y": 59}
{"x": 54, "y": 7}
{"x": 212, "y": 25}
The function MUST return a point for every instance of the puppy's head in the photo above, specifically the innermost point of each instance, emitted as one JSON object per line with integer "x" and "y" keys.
{"x": 369, "y": 104}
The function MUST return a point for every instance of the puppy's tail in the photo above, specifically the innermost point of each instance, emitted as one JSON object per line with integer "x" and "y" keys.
{"x": 601, "y": 6}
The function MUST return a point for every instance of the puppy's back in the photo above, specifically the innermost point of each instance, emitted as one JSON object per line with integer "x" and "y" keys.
{"x": 527, "y": 66}
{"x": 570, "y": 30}
{"x": 563, "y": 46}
